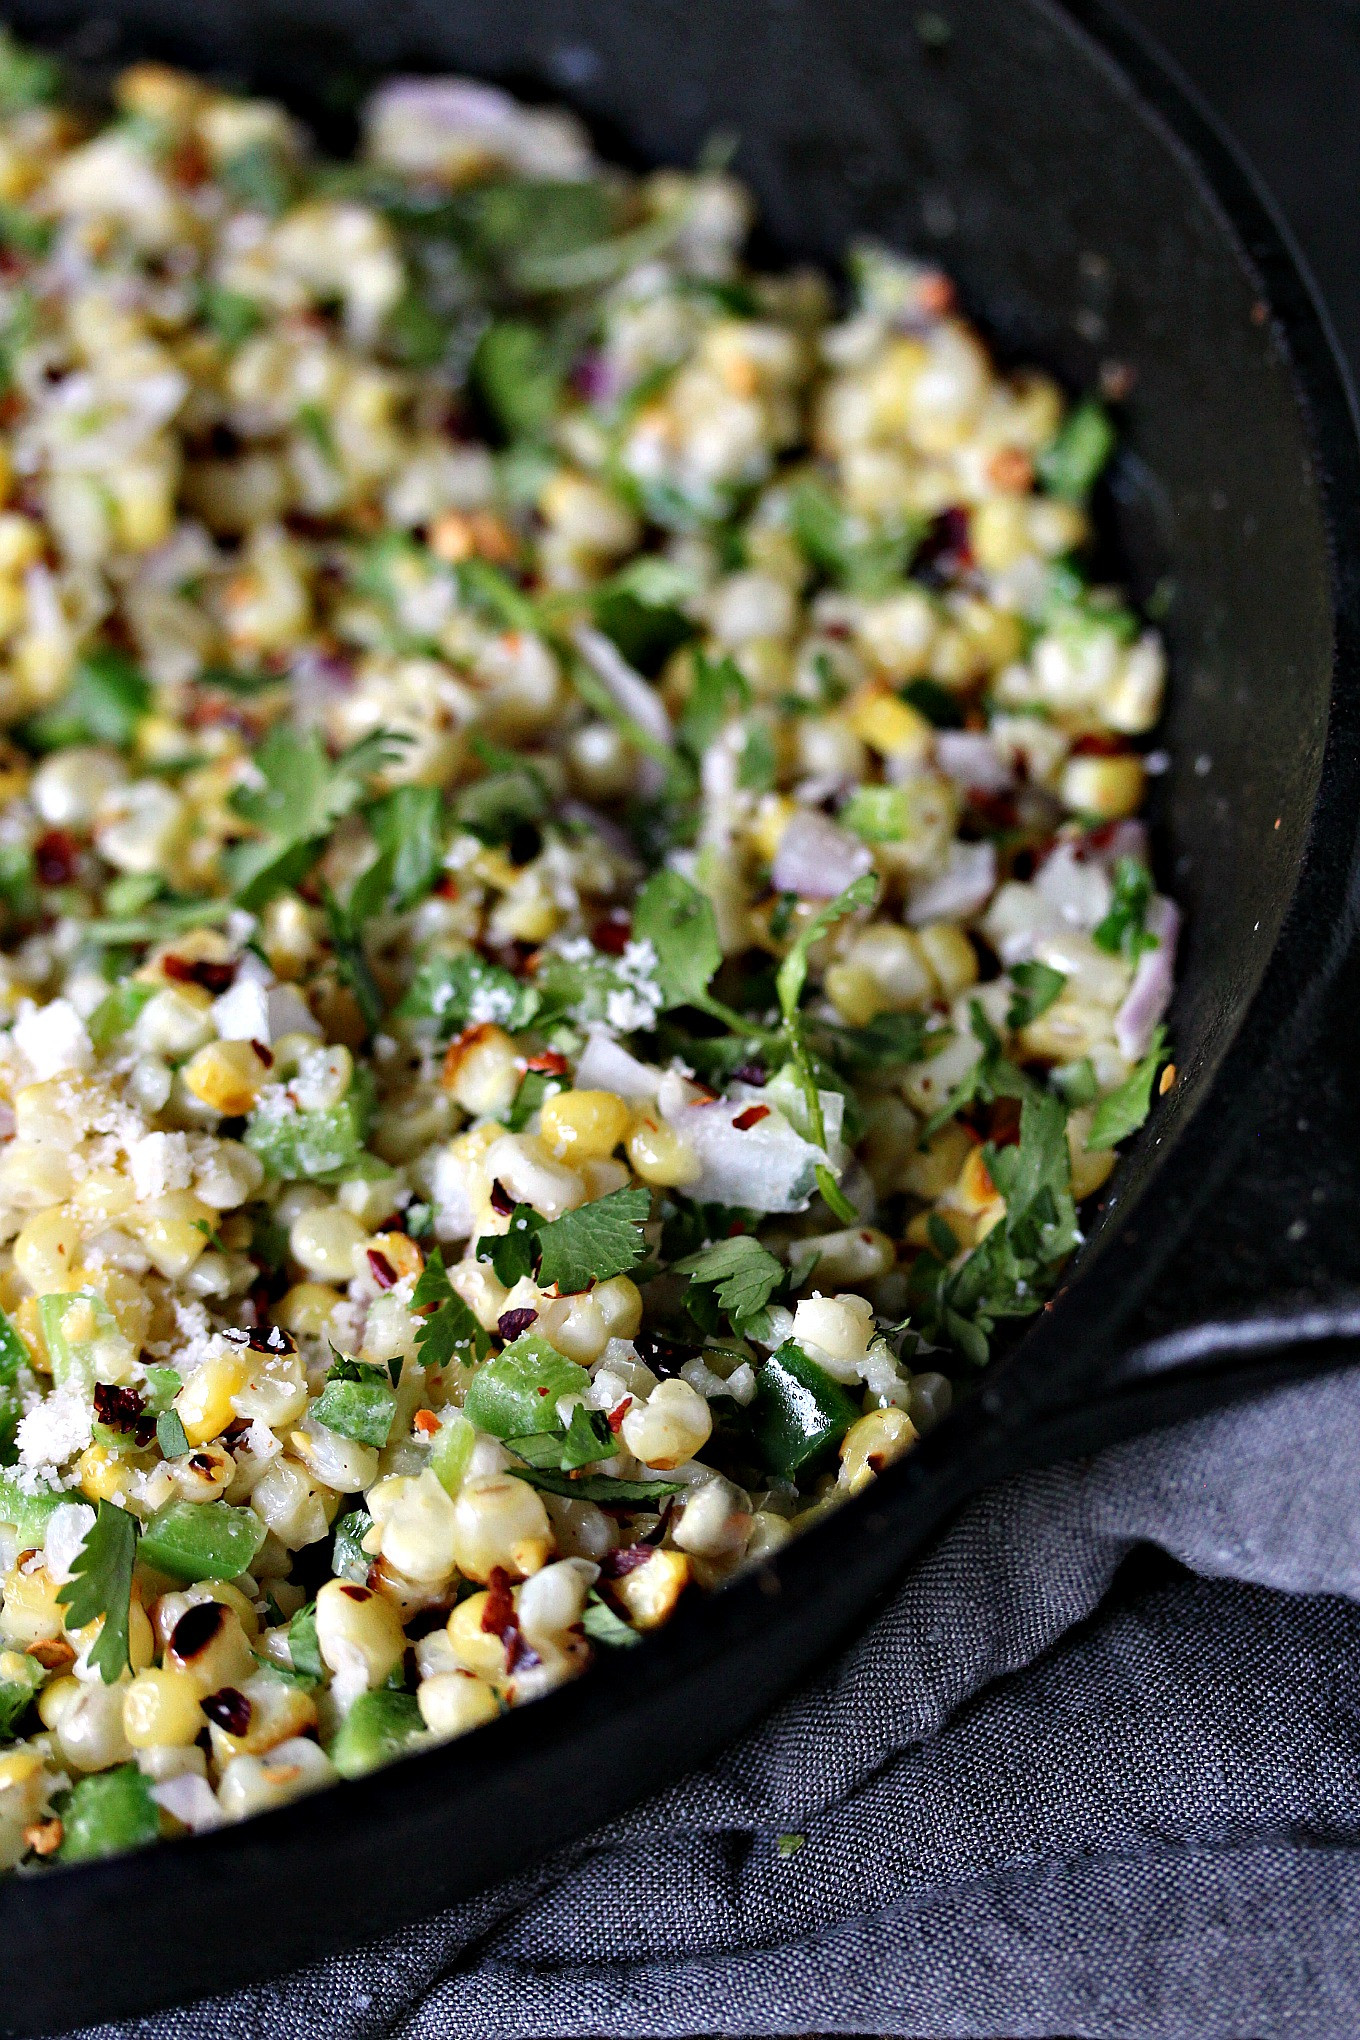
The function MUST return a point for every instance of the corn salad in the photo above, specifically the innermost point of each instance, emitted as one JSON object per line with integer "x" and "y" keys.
{"x": 575, "y": 928}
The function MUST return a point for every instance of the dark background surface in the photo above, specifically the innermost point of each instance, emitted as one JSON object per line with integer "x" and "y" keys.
{"x": 1283, "y": 77}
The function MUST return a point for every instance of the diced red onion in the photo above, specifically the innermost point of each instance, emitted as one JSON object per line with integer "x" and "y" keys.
{"x": 1077, "y": 888}
{"x": 962, "y": 889}
{"x": 971, "y": 758}
{"x": 625, "y": 685}
{"x": 1153, "y": 982}
{"x": 191, "y": 1800}
{"x": 816, "y": 859}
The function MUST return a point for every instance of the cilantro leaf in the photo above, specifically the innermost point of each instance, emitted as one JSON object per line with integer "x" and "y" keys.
{"x": 518, "y": 376}
{"x": 989, "y": 1078}
{"x": 639, "y": 609}
{"x": 789, "y": 983}
{"x": 602, "y": 1625}
{"x": 744, "y": 1276}
{"x": 455, "y": 990}
{"x": 597, "y": 1487}
{"x": 452, "y": 1333}
{"x": 104, "y": 704}
{"x": 1123, "y": 931}
{"x": 588, "y": 1439}
{"x": 171, "y": 1435}
{"x": 840, "y": 545}
{"x": 679, "y": 922}
{"x": 718, "y": 689}
{"x": 303, "y": 1646}
{"x": 101, "y": 1584}
{"x": 1123, "y": 1111}
{"x": 594, "y": 1242}
{"x": 406, "y": 827}
{"x": 513, "y": 1253}
{"x": 351, "y": 960}
{"x": 1037, "y": 985}
{"x": 305, "y": 793}
{"x": 1070, "y": 464}
{"x": 893, "y": 1038}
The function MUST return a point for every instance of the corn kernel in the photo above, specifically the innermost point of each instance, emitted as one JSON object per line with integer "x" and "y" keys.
{"x": 160, "y": 1709}
{"x": 226, "y": 1076}
{"x": 586, "y": 1125}
{"x": 476, "y": 1649}
{"x": 451, "y": 1703}
{"x": 307, "y": 1307}
{"x": 891, "y": 727}
{"x": 46, "y": 1249}
{"x": 204, "y": 1403}
{"x": 871, "y": 1444}
{"x": 1109, "y": 787}
{"x": 660, "y": 1156}
{"x": 482, "y": 1071}
{"x": 102, "y": 1475}
{"x": 649, "y": 1593}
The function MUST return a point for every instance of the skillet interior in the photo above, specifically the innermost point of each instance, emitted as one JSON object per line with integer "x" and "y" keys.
{"x": 1080, "y": 232}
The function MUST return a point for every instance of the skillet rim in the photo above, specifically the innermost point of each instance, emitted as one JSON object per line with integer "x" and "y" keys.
{"x": 855, "y": 1554}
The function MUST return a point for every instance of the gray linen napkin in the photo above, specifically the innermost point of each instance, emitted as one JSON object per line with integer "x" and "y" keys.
{"x": 1034, "y": 1798}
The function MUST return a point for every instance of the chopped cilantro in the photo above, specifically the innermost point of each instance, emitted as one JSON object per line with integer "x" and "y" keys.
{"x": 171, "y": 1435}
{"x": 1071, "y": 464}
{"x": 603, "y": 1625}
{"x": 1122, "y": 1111}
{"x": 1037, "y": 985}
{"x": 304, "y": 795}
{"x": 459, "y": 991}
{"x": 1123, "y": 931}
{"x": 839, "y": 545}
{"x": 104, "y": 704}
{"x": 743, "y": 1275}
{"x": 101, "y": 1585}
{"x": 594, "y": 1242}
{"x": 518, "y": 377}
{"x": 451, "y": 1332}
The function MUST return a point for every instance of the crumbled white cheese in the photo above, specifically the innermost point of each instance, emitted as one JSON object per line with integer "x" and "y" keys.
{"x": 242, "y": 1014}
{"x": 56, "y": 1430}
{"x": 52, "y": 1039}
{"x": 161, "y": 1162}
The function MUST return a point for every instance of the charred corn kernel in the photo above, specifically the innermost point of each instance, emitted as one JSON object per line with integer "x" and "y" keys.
{"x": 306, "y": 1308}
{"x": 210, "y": 1648}
{"x": 102, "y": 1475}
{"x": 253, "y": 1784}
{"x": 160, "y": 1709}
{"x": 401, "y": 1254}
{"x": 670, "y": 1427}
{"x": 417, "y": 1529}
{"x": 293, "y": 1503}
{"x": 841, "y": 1325}
{"x": 482, "y": 1071}
{"x": 871, "y": 1444}
{"x": 31, "y": 1613}
{"x": 1109, "y": 787}
{"x": 584, "y": 1125}
{"x": 936, "y": 1164}
{"x": 659, "y": 1155}
{"x": 324, "y": 1076}
{"x": 620, "y": 1302}
{"x": 46, "y": 1251}
{"x": 451, "y": 1703}
{"x": 649, "y": 1593}
{"x": 478, "y": 1650}
{"x": 974, "y": 1190}
{"x": 950, "y": 955}
{"x": 498, "y": 1521}
{"x": 278, "y": 1712}
{"x": 204, "y": 1404}
{"x": 532, "y": 1175}
{"x": 228, "y": 1076}
{"x": 353, "y": 1625}
{"x": 341, "y": 1464}
{"x": 325, "y": 1242}
{"x": 889, "y": 726}
{"x": 206, "y": 1473}
{"x": 223, "y": 1592}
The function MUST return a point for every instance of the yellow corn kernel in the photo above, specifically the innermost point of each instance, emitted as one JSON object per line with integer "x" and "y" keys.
{"x": 28, "y": 1325}
{"x": 352, "y": 1620}
{"x": 482, "y": 1071}
{"x": 173, "y": 1229}
{"x": 227, "y": 1076}
{"x": 160, "y": 1708}
{"x": 102, "y": 1475}
{"x": 586, "y": 1125}
{"x": 933, "y": 1168}
{"x": 30, "y": 1613}
{"x": 1109, "y": 787}
{"x": 659, "y": 1155}
{"x": 999, "y": 533}
{"x": 950, "y": 954}
{"x": 46, "y": 1249}
{"x": 650, "y": 1592}
{"x": 451, "y": 1703}
{"x": 771, "y": 818}
{"x": 620, "y": 1303}
{"x": 476, "y": 1649}
{"x": 855, "y": 992}
{"x": 210, "y": 1648}
{"x": 20, "y": 1765}
{"x": 871, "y": 1444}
{"x": 204, "y": 1403}
{"x": 56, "y": 1698}
{"x": 891, "y": 727}
{"x": 307, "y": 1308}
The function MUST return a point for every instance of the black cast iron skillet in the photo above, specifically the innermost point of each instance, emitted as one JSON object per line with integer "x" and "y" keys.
{"x": 1090, "y": 215}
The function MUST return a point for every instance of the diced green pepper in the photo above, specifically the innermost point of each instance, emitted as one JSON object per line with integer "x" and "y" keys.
{"x": 107, "y": 1813}
{"x": 13, "y": 1360}
{"x": 518, "y": 1392}
{"x": 1070, "y": 466}
{"x": 452, "y": 1449}
{"x": 73, "y": 1324}
{"x": 201, "y": 1540}
{"x": 294, "y": 1144}
{"x": 349, "y": 1560}
{"x": 362, "y": 1410}
{"x": 800, "y": 1413}
{"x": 20, "y": 1678}
{"x": 28, "y": 1512}
{"x": 378, "y": 1727}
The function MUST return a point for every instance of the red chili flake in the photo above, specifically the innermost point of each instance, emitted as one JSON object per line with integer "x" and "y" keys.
{"x": 381, "y": 1269}
{"x": 994, "y": 810}
{"x": 1098, "y": 839}
{"x": 446, "y": 887}
{"x": 618, "y": 1413}
{"x": 265, "y": 1053}
{"x": 426, "y": 1422}
{"x": 498, "y": 1616}
{"x": 512, "y": 1322}
{"x": 1003, "y": 1128}
{"x": 615, "y": 1564}
{"x": 228, "y": 1709}
{"x": 752, "y": 1116}
{"x": 1095, "y": 744}
{"x": 197, "y": 970}
{"x": 119, "y": 1408}
{"x": 501, "y": 1200}
{"x": 548, "y": 1062}
{"x": 54, "y": 857}
{"x": 612, "y": 934}
{"x": 188, "y": 162}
